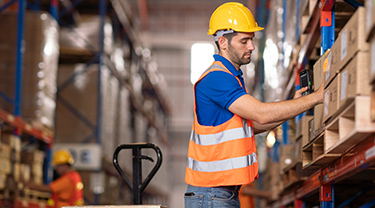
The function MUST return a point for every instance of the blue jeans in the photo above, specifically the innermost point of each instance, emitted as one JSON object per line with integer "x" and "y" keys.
{"x": 212, "y": 197}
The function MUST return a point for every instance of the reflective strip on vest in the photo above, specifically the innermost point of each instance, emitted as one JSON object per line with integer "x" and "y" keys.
{"x": 228, "y": 164}
{"x": 225, "y": 136}
{"x": 214, "y": 66}
{"x": 223, "y": 154}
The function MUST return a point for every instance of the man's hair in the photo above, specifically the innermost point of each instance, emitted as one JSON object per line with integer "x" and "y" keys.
{"x": 228, "y": 36}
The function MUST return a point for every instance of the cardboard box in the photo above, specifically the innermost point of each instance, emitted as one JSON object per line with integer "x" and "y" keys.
{"x": 286, "y": 156}
{"x": 318, "y": 117}
{"x": 330, "y": 99}
{"x": 41, "y": 32}
{"x": 30, "y": 157}
{"x": 5, "y": 165}
{"x": 15, "y": 156}
{"x": 335, "y": 60}
{"x": 371, "y": 62}
{"x": 330, "y": 70}
{"x": 311, "y": 129}
{"x": 370, "y": 18}
{"x": 16, "y": 171}
{"x": 297, "y": 152}
{"x": 25, "y": 171}
{"x": 37, "y": 169}
{"x": 318, "y": 73}
{"x": 318, "y": 80}
{"x": 352, "y": 37}
{"x": 82, "y": 94}
{"x": 302, "y": 129}
{"x": 3, "y": 179}
{"x": 354, "y": 79}
{"x": 13, "y": 141}
{"x": 4, "y": 150}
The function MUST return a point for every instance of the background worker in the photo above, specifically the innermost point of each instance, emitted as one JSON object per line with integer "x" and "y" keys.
{"x": 222, "y": 153}
{"x": 66, "y": 190}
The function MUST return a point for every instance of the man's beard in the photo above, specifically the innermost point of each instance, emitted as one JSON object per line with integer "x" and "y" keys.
{"x": 240, "y": 60}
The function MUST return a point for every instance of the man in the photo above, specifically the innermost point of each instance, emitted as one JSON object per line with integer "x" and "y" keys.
{"x": 67, "y": 189}
{"x": 222, "y": 154}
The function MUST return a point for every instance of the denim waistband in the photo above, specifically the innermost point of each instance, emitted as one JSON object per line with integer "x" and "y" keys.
{"x": 232, "y": 188}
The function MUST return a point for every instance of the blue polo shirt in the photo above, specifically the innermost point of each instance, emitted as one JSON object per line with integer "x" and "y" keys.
{"x": 216, "y": 92}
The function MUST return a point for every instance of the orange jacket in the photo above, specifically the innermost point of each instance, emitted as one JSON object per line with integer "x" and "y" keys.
{"x": 67, "y": 190}
{"x": 221, "y": 155}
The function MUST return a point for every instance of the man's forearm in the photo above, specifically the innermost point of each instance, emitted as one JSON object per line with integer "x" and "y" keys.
{"x": 39, "y": 187}
{"x": 260, "y": 128}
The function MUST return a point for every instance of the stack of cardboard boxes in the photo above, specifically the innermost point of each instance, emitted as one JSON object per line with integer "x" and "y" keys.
{"x": 370, "y": 37}
{"x": 10, "y": 155}
{"x": 341, "y": 121}
{"x": 39, "y": 67}
{"x": 35, "y": 160}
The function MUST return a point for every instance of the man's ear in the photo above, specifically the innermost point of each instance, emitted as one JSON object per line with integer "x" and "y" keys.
{"x": 223, "y": 43}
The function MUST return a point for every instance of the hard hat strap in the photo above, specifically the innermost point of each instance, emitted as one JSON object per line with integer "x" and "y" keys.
{"x": 220, "y": 33}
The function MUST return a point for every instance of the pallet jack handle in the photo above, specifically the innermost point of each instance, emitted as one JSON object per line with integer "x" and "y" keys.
{"x": 138, "y": 186}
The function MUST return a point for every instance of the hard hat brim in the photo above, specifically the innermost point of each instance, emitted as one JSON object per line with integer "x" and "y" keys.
{"x": 255, "y": 29}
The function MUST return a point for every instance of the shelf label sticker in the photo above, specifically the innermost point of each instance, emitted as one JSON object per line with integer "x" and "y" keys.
{"x": 344, "y": 44}
{"x": 327, "y": 66}
{"x": 326, "y": 103}
{"x": 370, "y": 153}
{"x": 344, "y": 78}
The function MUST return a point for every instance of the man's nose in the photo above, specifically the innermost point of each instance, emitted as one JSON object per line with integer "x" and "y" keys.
{"x": 250, "y": 45}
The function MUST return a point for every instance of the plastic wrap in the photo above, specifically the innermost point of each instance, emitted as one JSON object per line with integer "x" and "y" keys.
{"x": 110, "y": 113}
{"x": 280, "y": 43}
{"x": 40, "y": 61}
{"x": 84, "y": 38}
{"x": 79, "y": 99}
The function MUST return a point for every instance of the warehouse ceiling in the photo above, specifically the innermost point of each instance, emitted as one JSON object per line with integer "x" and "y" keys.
{"x": 175, "y": 23}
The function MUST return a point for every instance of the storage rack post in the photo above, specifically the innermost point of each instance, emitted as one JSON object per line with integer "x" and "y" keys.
{"x": 327, "y": 25}
{"x": 357, "y": 158}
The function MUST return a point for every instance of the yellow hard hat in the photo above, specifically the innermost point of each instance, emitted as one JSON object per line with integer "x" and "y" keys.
{"x": 62, "y": 157}
{"x": 233, "y": 16}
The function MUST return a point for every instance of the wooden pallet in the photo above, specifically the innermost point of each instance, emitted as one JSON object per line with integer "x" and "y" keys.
{"x": 313, "y": 154}
{"x": 372, "y": 103}
{"x": 351, "y": 126}
{"x": 293, "y": 176}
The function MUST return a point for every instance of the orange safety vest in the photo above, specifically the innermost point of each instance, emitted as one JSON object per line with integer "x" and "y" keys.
{"x": 222, "y": 155}
{"x": 76, "y": 197}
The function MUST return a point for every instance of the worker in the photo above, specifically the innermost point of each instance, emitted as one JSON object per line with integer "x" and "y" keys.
{"x": 67, "y": 189}
{"x": 222, "y": 155}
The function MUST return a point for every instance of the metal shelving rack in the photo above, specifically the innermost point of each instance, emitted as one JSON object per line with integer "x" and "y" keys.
{"x": 101, "y": 58}
{"x": 354, "y": 160}
{"x": 125, "y": 26}
{"x": 15, "y": 120}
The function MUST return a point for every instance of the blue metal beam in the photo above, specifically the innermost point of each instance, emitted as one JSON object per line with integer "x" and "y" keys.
{"x": 369, "y": 204}
{"x": 327, "y": 27}
{"x": 353, "y": 3}
{"x": 54, "y": 9}
{"x": 19, "y": 57}
{"x": 68, "y": 9}
{"x": 76, "y": 112}
{"x": 285, "y": 127}
{"x": 6, "y": 98}
{"x": 351, "y": 199}
{"x": 71, "y": 79}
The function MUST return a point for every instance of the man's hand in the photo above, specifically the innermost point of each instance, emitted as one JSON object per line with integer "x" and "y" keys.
{"x": 299, "y": 92}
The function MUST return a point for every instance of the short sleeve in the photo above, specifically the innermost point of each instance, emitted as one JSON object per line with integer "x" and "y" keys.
{"x": 221, "y": 88}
